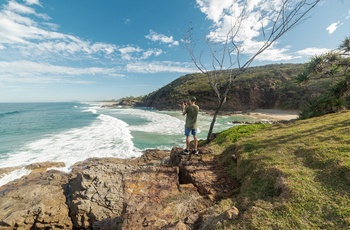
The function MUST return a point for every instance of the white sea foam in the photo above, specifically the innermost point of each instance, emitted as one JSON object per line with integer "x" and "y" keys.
{"x": 90, "y": 110}
{"x": 105, "y": 137}
{"x": 5, "y": 178}
{"x": 158, "y": 123}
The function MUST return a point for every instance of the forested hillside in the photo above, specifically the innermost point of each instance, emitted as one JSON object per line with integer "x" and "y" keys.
{"x": 267, "y": 87}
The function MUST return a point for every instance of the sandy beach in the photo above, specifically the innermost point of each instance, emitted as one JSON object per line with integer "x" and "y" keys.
{"x": 274, "y": 114}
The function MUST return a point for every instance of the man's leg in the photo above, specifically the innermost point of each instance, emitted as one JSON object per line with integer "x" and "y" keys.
{"x": 195, "y": 140}
{"x": 188, "y": 143}
{"x": 187, "y": 134}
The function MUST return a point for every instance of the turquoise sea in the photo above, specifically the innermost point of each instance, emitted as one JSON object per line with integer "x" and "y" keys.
{"x": 72, "y": 131}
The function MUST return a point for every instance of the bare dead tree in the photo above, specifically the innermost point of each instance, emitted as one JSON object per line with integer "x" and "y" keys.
{"x": 228, "y": 61}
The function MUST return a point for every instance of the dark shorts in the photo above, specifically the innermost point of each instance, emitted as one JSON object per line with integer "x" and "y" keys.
{"x": 190, "y": 131}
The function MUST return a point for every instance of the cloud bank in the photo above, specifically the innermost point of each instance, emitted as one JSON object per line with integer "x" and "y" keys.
{"x": 256, "y": 14}
{"x": 25, "y": 33}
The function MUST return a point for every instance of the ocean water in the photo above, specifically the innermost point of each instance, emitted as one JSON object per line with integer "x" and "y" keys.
{"x": 71, "y": 131}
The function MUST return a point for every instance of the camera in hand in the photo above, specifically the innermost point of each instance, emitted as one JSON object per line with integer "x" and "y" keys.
{"x": 184, "y": 102}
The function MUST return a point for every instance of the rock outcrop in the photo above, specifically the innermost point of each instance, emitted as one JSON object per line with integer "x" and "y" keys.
{"x": 160, "y": 190}
{"x": 36, "y": 201}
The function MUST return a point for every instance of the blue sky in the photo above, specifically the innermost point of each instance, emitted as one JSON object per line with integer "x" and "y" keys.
{"x": 62, "y": 50}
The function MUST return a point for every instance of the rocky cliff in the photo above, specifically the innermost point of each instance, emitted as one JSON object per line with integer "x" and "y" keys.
{"x": 160, "y": 190}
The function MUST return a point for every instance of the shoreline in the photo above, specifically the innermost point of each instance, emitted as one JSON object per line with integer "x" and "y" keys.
{"x": 273, "y": 114}
{"x": 263, "y": 114}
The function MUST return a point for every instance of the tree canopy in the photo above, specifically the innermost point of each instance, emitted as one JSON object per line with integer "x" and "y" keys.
{"x": 334, "y": 65}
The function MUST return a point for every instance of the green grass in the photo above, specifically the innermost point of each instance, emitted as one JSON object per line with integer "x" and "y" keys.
{"x": 294, "y": 176}
{"x": 235, "y": 133}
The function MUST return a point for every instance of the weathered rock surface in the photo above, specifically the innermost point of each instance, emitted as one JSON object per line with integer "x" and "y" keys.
{"x": 204, "y": 173}
{"x": 96, "y": 192}
{"x": 149, "y": 192}
{"x": 135, "y": 194}
{"x": 36, "y": 201}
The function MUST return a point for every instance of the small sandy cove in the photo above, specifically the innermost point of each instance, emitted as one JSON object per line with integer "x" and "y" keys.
{"x": 274, "y": 114}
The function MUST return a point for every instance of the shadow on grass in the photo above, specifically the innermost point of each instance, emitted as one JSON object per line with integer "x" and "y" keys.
{"x": 332, "y": 172}
{"x": 291, "y": 135}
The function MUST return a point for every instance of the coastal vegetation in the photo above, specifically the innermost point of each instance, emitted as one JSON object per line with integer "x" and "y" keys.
{"x": 291, "y": 176}
{"x": 335, "y": 67}
{"x": 265, "y": 87}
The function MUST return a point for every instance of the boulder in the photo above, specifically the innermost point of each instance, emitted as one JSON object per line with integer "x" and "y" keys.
{"x": 130, "y": 194}
{"x": 96, "y": 193}
{"x": 36, "y": 201}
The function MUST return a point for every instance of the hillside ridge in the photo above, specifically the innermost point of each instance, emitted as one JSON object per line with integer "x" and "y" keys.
{"x": 263, "y": 87}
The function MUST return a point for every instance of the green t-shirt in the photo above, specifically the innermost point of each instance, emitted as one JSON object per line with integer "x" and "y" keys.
{"x": 191, "y": 116}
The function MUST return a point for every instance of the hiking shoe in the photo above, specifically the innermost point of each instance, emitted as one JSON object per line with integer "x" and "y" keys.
{"x": 195, "y": 152}
{"x": 186, "y": 152}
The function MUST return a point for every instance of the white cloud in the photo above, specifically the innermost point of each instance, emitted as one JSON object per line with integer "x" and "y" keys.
{"x": 270, "y": 54}
{"x": 19, "y": 8}
{"x": 227, "y": 14}
{"x": 348, "y": 16}
{"x": 136, "y": 53}
{"x": 51, "y": 26}
{"x": 128, "y": 52}
{"x": 14, "y": 6}
{"x": 149, "y": 53}
{"x": 32, "y": 2}
{"x": 312, "y": 51}
{"x": 214, "y": 9}
{"x": 18, "y": 69}
{"x": 21, "y": 32}
{"x": 160, "y": 67}
{"x": 155, "y": 37}
{"x": 333, "y": 27}
{"x": 257, "y": 16}
{"x": 273, "y": 54}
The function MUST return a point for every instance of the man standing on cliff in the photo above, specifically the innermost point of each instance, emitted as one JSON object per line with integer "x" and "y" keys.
{"x": 191, "y": 112}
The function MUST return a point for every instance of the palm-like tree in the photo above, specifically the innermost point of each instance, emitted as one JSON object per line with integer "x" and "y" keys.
{"x": 345, "y": 46}
{"x": 334, "y": 65}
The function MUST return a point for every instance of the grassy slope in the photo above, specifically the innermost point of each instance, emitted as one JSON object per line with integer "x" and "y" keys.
{"x": 293, "y": 176}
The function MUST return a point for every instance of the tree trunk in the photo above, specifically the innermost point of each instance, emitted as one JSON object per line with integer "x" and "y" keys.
{"x": 210, "y": 132}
